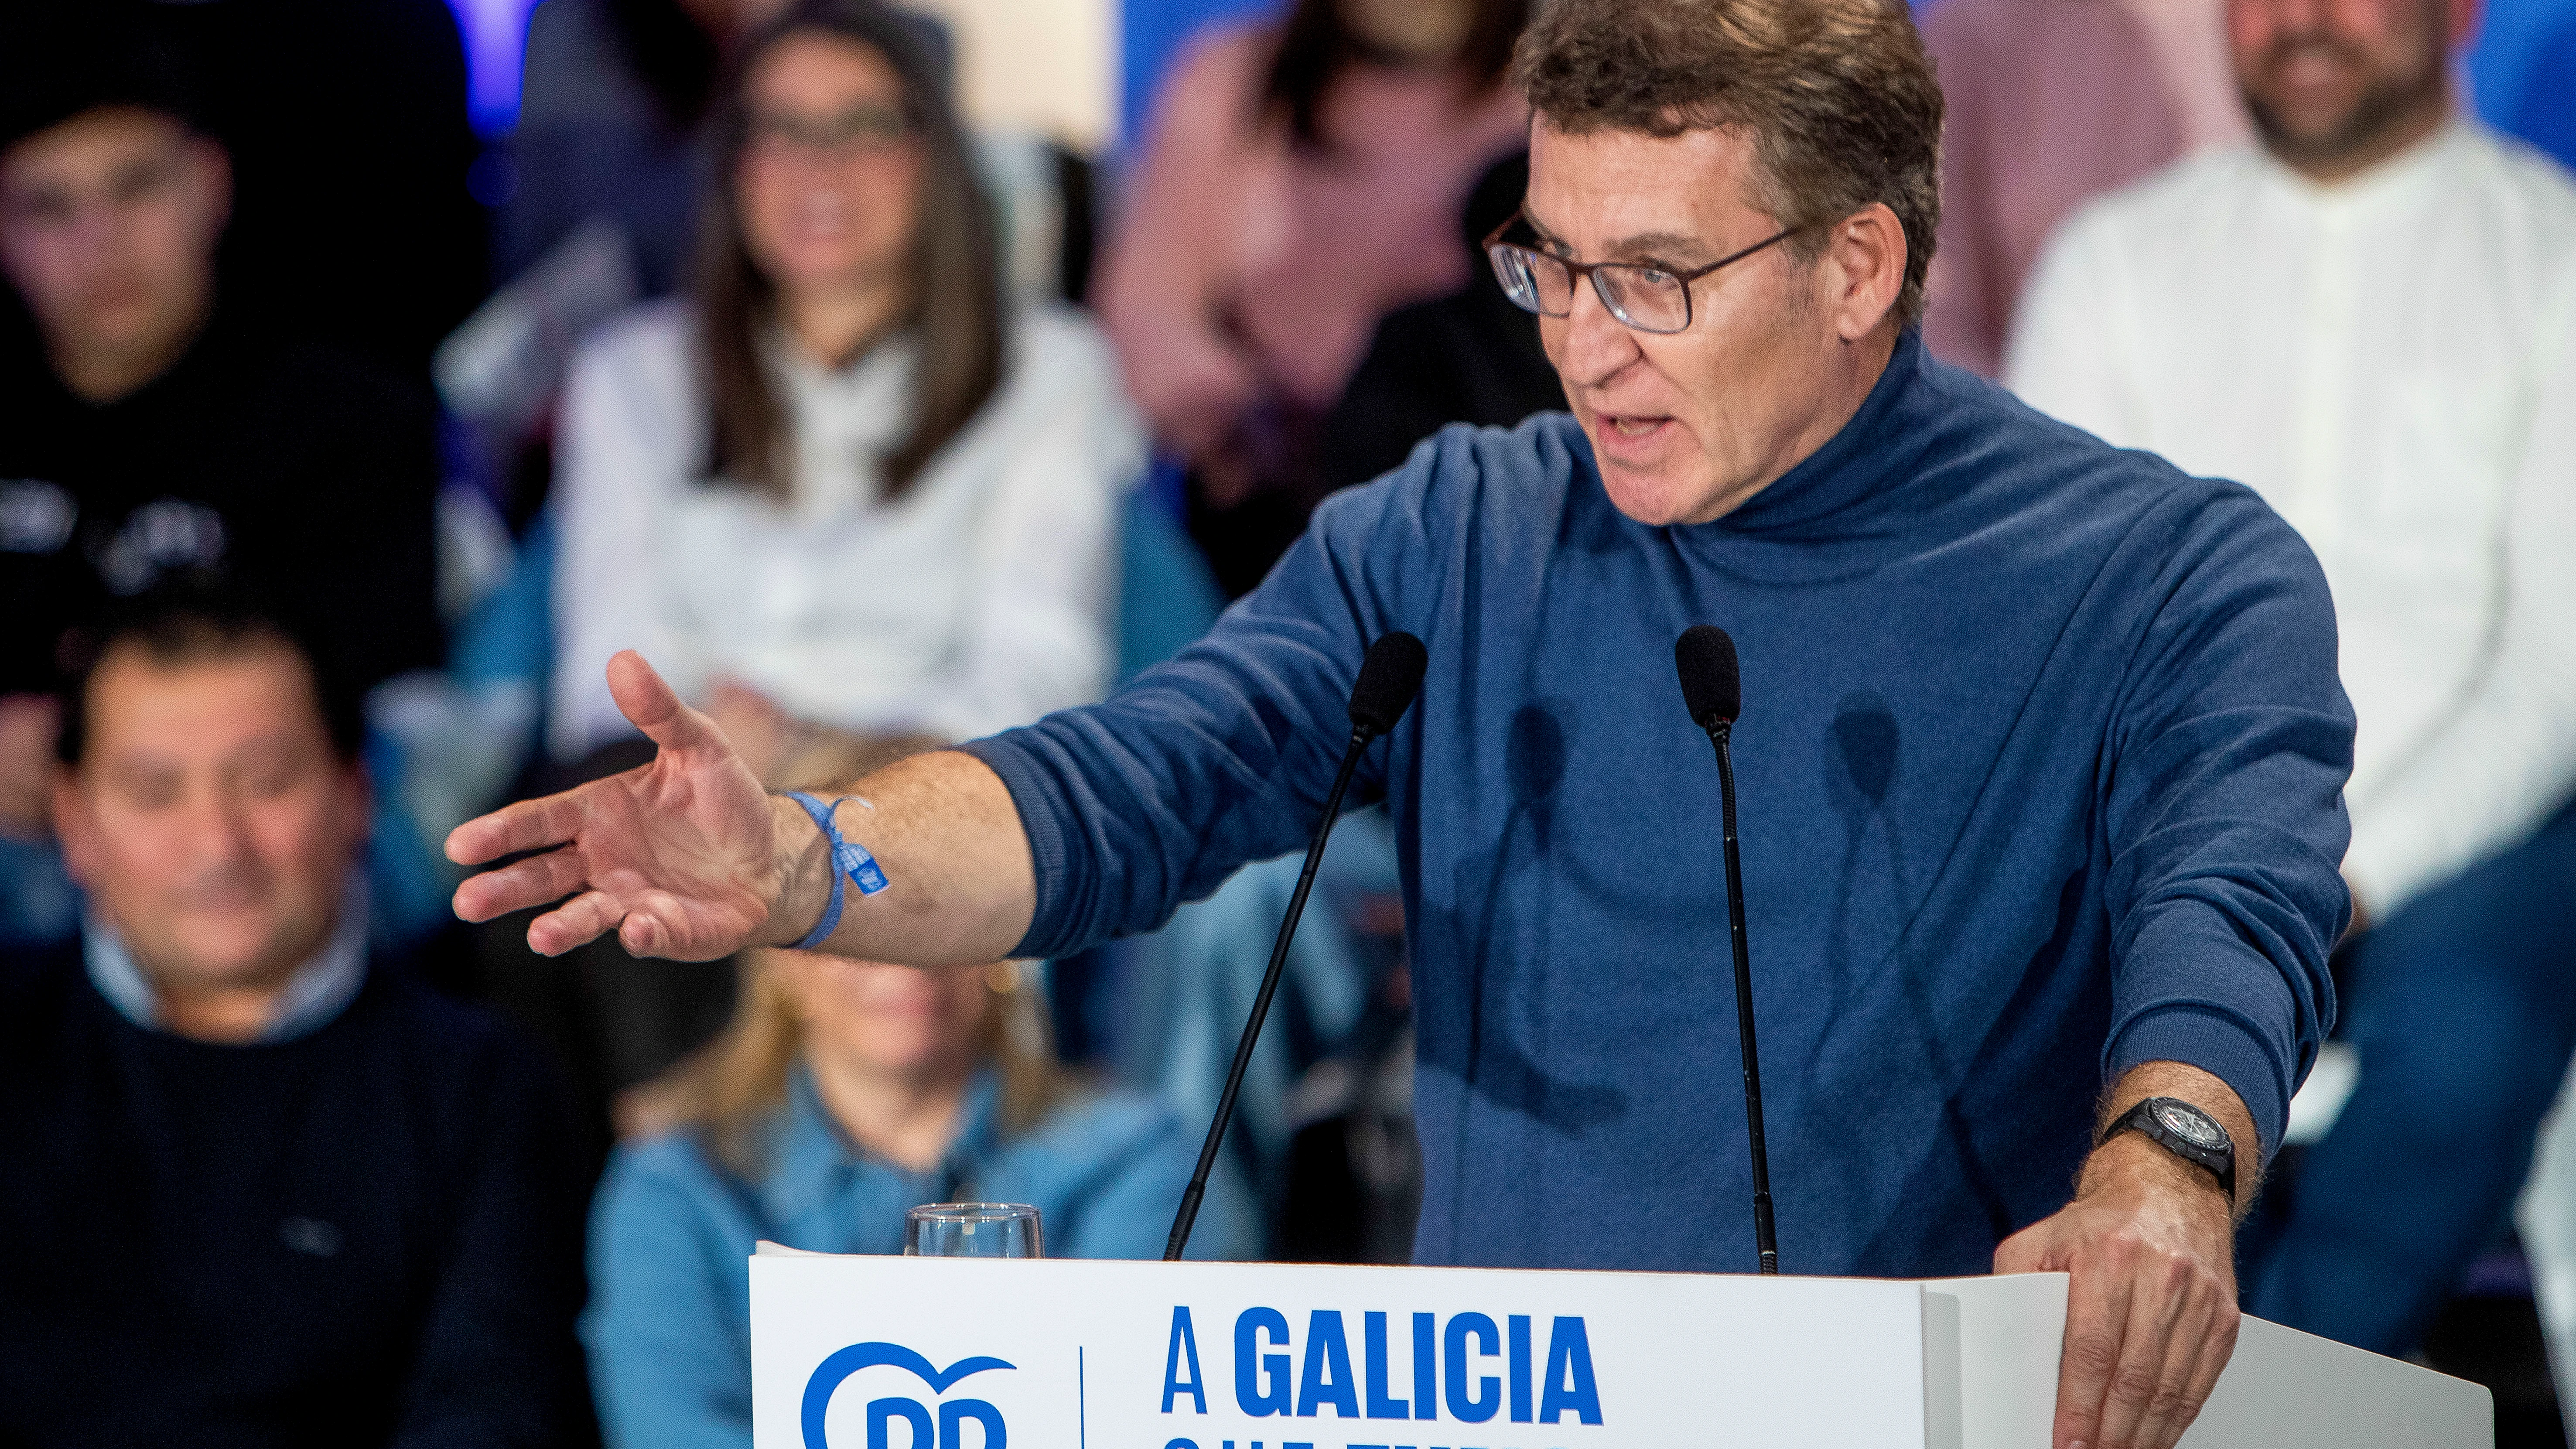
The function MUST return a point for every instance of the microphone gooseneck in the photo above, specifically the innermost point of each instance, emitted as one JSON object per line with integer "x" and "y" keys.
{"x": 1713, "y": 689}
{"x": 1390, "y": 676}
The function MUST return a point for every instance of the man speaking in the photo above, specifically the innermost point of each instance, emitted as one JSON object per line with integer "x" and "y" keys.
{"x": 2040, "y": 758}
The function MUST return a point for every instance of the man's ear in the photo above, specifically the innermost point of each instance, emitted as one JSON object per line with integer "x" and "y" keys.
{"x": 210, "y": 169}
{"x": 357, "y": 803}
{"x": 74, "y": 829}
{"x": 1864, "y": 270}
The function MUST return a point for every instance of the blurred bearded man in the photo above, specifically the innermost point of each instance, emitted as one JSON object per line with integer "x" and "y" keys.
{"x": 2371, "y": 320}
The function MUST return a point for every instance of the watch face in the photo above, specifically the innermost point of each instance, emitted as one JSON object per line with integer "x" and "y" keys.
{"x": 2189, "y": 1125}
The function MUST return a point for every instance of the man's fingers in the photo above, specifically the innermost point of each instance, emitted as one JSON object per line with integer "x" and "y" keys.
{"x": 583, "y": 919}
{"x": 2097, "y": 1319}
{"x": 2160, "y": 1308}
{"x": 519, "y": 885}
{"x": 2020, "y": 1253}
{"x": 649, "y": 704}
{"x": 528, "y": 825}
{"x": 2171, "y": 1407}
{"x": 2217, "y": 1346}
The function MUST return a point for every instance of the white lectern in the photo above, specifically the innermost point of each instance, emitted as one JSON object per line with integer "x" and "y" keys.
{"x": 919, "y": 1353}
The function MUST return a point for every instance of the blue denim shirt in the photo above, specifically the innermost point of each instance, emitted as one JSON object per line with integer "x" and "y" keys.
{"x": 669, "y": 1323}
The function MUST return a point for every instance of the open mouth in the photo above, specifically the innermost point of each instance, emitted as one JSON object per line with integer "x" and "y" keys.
{"x": 1630, "y": 436}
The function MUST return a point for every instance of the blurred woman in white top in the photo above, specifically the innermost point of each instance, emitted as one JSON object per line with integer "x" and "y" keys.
{"x": 867, "y": 504}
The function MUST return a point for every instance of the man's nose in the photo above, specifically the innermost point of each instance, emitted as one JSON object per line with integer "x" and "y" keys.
{"x": 213, "y": 830}
{"x": 1598, "y": 346}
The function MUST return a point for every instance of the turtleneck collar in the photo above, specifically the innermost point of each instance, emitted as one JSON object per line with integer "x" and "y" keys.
{"x": 1852, "y": 465}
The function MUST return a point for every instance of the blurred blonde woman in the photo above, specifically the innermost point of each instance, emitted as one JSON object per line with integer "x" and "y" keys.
{"x": 843, "y": 1093}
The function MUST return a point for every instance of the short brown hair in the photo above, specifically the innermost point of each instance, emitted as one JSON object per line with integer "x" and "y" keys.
{"x": 1837, "y": 95}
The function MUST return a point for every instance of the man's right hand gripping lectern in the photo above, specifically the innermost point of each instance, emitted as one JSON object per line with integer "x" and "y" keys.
{"x": 953, "y": 1353}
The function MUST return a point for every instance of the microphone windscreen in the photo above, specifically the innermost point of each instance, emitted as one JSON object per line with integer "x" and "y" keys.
{"x": 1711, "y": 686}
{"x": 1390, "y": 677}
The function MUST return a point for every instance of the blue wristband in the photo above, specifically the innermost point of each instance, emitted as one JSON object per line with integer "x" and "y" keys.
{"x": 848, "y": 861}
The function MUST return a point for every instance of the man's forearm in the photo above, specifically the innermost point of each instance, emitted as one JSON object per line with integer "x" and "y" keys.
{"x": 961, "y": 885}
{"x": 2131, "y": 1155}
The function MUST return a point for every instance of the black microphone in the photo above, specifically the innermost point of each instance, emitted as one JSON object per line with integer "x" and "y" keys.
{"x": 1714, "y": 690}
{"x": 1390, "y": 677}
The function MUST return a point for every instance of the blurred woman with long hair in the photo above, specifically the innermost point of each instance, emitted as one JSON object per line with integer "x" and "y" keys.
{"x": 840, "y": 494}
{"x": 844, "y": 1093}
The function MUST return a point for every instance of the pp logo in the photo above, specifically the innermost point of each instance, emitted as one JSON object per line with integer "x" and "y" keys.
{"x": 953, "y": 1413}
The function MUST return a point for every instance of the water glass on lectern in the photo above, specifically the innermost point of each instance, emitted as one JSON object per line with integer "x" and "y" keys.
{"x": 972, "y": 1230}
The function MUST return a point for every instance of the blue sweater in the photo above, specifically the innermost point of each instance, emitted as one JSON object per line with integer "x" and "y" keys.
{"x": 367, "y": 1234}
{"x": 2040, "y": 778}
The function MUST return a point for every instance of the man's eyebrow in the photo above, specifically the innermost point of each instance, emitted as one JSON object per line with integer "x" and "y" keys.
{"x": 1665, "y": 246}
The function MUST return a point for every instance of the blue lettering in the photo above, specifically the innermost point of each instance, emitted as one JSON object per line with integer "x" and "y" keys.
{"x": 1453, "y": 1347}
{"x": 1520, "y": 1362}
{"x": 1184, "y": 1342}
{"x": 1326, "y": 1377}
{"x": 881, "y": 1410}
{"x": 1252, "y": 1366}
{"x": 1182, "y": 1444}
{"x": 1373, "y": 1329}
{"x": 1426, "y": 1378}
{"x": 1569, "y": 1375}
{"x": 952, "y": 1420}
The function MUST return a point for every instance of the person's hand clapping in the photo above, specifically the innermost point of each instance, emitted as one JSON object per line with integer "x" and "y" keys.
{"x": 683, "y": 858}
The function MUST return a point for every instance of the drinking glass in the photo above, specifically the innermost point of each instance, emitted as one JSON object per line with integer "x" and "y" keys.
{"x": 972, "y": 1230}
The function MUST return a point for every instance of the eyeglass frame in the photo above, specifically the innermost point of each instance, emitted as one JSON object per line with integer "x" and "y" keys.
{"x": 1581, "y": 270}
{"x": 778, "y": 132}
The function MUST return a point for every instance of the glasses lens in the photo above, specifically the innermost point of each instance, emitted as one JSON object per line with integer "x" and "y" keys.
{"x": 1534, "y": 281}
{"x": 1649, "y": 299}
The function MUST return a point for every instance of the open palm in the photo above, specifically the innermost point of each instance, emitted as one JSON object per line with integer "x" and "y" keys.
{"x": 679, "y": 857}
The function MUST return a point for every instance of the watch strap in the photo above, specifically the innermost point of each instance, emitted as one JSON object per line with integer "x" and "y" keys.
{"x": 2143, "y": 1117}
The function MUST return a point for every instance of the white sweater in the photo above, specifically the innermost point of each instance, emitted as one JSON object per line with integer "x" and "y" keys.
{"x": 981, "y": 599}
{"x": 2391, "y": 363}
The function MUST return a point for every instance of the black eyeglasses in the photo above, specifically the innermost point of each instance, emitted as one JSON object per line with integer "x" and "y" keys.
{"x": 1646, "y": 297}
{"x": 862, "y": 130}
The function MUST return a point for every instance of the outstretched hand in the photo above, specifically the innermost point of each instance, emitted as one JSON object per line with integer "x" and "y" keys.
{"x": 682, "y": 857}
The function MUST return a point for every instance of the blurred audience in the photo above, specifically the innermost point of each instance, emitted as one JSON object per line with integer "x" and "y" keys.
{"x": 346, "y": 124}
{"x": 159, "y": 426}
{"x": 2371, "y": 320}
{"x": 1468, "y": 357}
{"x": 843, "y": 1094}
{"x": 259, "y": 1187}
{"x": 2049, "y": 104}
{"x": 843, "y": 493}
{"x": 1301, "y": 179}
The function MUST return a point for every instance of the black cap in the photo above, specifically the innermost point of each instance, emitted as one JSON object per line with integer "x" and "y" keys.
{"x": 1390, "y": 677}
{"x": 62, "y": 60}
{"x": 1711, "y": 685}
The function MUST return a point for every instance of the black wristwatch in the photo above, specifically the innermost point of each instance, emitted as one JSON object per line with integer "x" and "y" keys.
{"x": 2185, "y": 1131}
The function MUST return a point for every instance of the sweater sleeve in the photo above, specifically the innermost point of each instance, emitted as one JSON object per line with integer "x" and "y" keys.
{"x": 1224, "y": 754}
{"x": 498, "y": 1361}
{"x": 2223, "y": 810}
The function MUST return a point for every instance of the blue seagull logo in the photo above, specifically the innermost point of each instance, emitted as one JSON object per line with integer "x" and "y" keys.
{"x": 831, "y": 1371}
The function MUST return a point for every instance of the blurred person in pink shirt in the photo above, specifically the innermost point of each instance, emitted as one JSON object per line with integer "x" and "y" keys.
{"x": 2051, "y": 103}
{"x": 1299, "y": 180}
